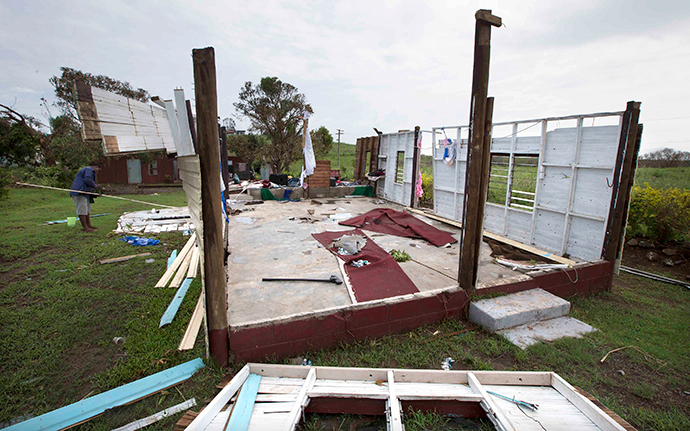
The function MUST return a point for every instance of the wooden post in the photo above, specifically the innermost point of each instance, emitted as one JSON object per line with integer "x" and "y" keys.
{"x": 192, "y": 129}
{"x": 623, "y": 178}
{"x": 211, "y": 207}
{"x": 478, "y": 152}
{"x": 415, "y": 169}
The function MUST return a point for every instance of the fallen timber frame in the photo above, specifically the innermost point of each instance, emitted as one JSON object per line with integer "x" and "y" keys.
{"x": 287, "y": 392}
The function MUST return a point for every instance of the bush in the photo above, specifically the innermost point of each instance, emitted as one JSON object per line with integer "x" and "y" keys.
{"x": 5, "y": 180}
{"x": 428, "y": 188}
{"x": 53, "y": 176}
{"x": 661, "y": 215}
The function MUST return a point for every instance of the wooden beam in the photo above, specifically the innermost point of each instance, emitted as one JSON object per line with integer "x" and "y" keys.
{"x": 516, "y": 244}
{"x": 172, "y": 268}
{"x": 394, "y": 405}
{"x": 212, "y": 211}
{"x": 493, "y": 412}
{"x": 123, "y": 258}
{"x": 174, "y": 305}
{"x": 594, "y": 413}
{"x": 415, "y": 168}
{"x": 217, "y": 404}
{"x": 189, "y": 337}
{"x": 478, "y": 151}
{"x": 182, "y": 271}
{"x": 301, "y": 401}
{"x": 194, "y": 264}
{"x": 628, "y": 151}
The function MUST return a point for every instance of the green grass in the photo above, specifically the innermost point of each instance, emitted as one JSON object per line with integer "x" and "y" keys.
{"x": 60, "y": 310}
{"x": 663, "y": 178}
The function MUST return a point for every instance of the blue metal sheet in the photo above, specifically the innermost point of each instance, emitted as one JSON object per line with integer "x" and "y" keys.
{"x": 242, "y": 412}
{"x": 170, "y": 313}
{"x": 83, "y": 410}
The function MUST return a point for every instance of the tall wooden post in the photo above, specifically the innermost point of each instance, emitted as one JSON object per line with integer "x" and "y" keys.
{"x": 415, "y": 168}
{"x": 211, "y": 206}
{"x": 478, "y": 152}
{"x": 623, "y": 178}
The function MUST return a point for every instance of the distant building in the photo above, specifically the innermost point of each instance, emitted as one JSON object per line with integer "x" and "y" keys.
{"x": 131, "y": 170}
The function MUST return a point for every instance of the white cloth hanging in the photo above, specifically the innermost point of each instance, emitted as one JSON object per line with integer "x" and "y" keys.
{"x": 308, "y": 151}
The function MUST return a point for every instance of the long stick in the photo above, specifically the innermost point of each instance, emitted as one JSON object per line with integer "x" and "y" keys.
{"x": 95, "y": 194}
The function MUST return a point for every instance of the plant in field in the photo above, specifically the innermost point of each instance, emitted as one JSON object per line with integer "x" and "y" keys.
{"x": 428, "y": 188}
{"x": 661, "y": 215}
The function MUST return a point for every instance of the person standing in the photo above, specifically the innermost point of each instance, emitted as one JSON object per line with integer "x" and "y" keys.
{"x": 85, "y": 181}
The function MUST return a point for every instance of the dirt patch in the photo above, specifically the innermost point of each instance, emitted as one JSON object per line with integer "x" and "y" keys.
{"x": 85, "y": 361}
{"x": 636, "y": 257}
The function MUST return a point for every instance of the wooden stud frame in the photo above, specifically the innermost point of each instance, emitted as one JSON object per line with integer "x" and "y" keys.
{"x": 365, "y": 385}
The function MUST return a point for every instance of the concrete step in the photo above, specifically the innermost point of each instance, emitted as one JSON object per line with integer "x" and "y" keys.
{"x": 525, "y": 335}
{"x": 517, "y": 309}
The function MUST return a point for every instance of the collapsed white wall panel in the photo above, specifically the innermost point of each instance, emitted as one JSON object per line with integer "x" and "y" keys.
{"x": 391, "y": 143}
{"x": 174, "y": 125}
{"x": 572, "y": 194}
{"x": 186, "y": 147}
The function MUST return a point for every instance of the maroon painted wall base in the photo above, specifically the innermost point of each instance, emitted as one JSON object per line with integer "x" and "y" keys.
{"x": 288, "y": 339}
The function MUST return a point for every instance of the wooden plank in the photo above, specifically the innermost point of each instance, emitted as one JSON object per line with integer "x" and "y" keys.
{"x": 495, "y": 414}
{"x": 622, "y": 422}
{"x": 516, "y": 244}
{"x": 123, "y": 258}
{"x": 212, "y": 212}
{"x": 300, "y": 402}
{"x": 242, "y": 409}
{"x": 194, "y": 325}
{"x": 176, "y": 263}
{"x": 88, "y": 408}
{"x": 594, "y": 413}
{"x": 394, "y": 405}
{"x": 172, "y": 258}
{"x": 174, "y": 305}
{"x": 184, "y": 421}
{"x": 194, "y": 264}
{"x": 217, "y": 404}
{"x": 623, "y": 175}
{"x": 141, "y": 423}
{"x": 181, "y": 273}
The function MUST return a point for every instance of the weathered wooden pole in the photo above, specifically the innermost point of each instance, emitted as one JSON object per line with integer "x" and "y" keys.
{"x": 478, "y": 152}
{"x": 415, "y": 168}
{"x": 211, "y": 206}
{"x": 623, "y": 178}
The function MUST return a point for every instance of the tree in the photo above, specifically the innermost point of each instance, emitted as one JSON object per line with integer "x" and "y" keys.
{"x": 21, "y": 140}
{"x": 275, "y": 109}
{"x": 667, "y": 157}
{"x": 321, "y": 140}
{"x": 249, "y": 147}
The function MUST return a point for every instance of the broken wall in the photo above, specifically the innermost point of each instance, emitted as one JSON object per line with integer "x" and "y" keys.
{"x": 396, "y": 154}
{"x": 565, "y": 210}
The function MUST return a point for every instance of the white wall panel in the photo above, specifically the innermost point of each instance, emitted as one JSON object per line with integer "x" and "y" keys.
{"x": 572, "y": 193}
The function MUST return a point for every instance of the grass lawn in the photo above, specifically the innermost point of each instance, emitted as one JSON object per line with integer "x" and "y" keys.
{"x": 663, "y": 178}
{"x": 60, "y": 309}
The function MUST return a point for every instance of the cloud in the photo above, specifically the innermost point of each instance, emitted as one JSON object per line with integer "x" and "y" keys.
{"x": 390, "y": 65}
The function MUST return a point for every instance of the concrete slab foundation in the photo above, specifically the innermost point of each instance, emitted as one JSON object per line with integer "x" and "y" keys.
{"x": 525, "y": 335}
{"x": 517, "y": 309}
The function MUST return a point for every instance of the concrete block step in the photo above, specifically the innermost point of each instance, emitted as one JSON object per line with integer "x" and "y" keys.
{"x": 517, "y": 309}
{"x": 525, "y": 335}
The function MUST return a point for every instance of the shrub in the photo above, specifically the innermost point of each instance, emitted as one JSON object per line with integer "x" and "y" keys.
{"x": 661, "y": 215}
{"x": 428, "y": 188}
{"x": 53, "y": 176}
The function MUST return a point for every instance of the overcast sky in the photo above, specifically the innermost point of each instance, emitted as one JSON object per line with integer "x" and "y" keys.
{"x": 362, "y": 64}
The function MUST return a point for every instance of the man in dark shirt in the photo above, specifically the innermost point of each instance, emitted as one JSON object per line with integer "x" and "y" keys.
{"x": 85, "y": 181}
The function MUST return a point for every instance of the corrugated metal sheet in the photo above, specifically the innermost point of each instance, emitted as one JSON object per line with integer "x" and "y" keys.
{"x": 123, "y": 125}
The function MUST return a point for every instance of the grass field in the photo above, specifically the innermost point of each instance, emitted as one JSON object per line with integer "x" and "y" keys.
{"x": 663, "y": 178}
{"x": 60, "y": 309}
